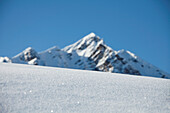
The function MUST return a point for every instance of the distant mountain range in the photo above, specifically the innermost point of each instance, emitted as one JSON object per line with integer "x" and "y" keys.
{"x": 89, "y": 53}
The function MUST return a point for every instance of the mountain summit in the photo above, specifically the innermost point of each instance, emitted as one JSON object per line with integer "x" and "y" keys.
{"x": 89, "y": 53}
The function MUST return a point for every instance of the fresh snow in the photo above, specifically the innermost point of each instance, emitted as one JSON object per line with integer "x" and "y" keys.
{"x": 38, "y": 89}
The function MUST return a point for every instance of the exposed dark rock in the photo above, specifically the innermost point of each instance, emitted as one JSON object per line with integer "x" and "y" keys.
{"x": 77, "y": 61}
{"x": 130, "y": 70}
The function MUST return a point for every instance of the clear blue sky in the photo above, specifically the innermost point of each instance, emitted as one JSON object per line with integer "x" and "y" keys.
{"x": 140, "y": 26}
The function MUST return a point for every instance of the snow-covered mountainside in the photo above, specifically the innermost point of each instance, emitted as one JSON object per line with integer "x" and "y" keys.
{"x": 40, "y": 89}
{"x": 90, "y": 53}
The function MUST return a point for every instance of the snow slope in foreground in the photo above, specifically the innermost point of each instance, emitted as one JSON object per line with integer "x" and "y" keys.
{"x": 36, "y": 89}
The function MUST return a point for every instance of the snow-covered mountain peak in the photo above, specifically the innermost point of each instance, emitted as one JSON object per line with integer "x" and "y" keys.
{"x": 85, "y": 46}
{"x": 91, "y": 34}
{"x": 29, "y": 49}
{"x": 89, "y": 53}
{"x": 109, "y": 60}
{"x": 92, "y": 37}
{"x": 27, "y": 55}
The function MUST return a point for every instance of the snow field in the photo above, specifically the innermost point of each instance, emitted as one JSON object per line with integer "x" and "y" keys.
{"x": 36, "y": 89}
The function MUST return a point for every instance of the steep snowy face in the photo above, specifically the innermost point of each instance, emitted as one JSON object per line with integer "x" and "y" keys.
{"x": 128, "y": 63}
{"x": 85, "y": 46}
{"x": 57, "y": 58}
{"x": 25, "y": 56}
{"x": 93, "y": 48}
{"x": 121, "y": 62}
{"x": 52, "y": 57}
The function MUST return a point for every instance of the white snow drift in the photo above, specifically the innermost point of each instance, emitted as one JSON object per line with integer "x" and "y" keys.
{"x": 36, "y": 89}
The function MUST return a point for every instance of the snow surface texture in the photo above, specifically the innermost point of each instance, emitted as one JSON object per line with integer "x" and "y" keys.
{"x": 89, "y": 53}
{"x": 37, "y": 89}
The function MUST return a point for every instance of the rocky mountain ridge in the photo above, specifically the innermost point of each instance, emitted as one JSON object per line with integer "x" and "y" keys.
{"x": 89, "y": 53}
